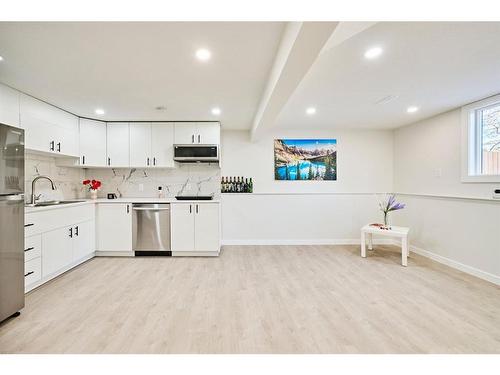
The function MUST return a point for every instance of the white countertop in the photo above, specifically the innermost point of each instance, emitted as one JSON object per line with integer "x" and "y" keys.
{"x": 80, "y": 202}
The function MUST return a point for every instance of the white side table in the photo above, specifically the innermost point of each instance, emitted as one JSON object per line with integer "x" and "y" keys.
{"x": 398, "y": 232}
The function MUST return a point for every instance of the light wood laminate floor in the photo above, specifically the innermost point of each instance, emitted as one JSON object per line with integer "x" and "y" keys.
{"x": 260, "y": 299}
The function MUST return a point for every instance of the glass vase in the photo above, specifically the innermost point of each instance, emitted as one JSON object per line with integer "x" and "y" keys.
{"x": 93, "y": 194}
{"x": 386, "y": 220}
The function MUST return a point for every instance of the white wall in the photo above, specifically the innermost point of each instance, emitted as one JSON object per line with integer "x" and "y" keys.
{"x": 464, "y": 232}
{"x": 308, "y": 212}
{"x": 427, "y": 159}
{"x": 364, "y": 160}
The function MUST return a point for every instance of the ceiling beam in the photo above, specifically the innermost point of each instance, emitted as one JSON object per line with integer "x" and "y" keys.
{"x": 301, "y": 44}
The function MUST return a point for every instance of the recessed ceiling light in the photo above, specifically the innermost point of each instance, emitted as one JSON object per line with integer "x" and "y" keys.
{"x": 1, "y": 58}
{"x": 216, "y": 111}
{"x": 311, "y": 111}
{"x": 203, "y": 54}
{"x": 373, "y": 53}
{"x": 412, "y": 109}
{"x": 99, "y": 111}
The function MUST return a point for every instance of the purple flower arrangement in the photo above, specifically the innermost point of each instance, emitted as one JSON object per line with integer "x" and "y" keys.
{"x": 387, "y": 204}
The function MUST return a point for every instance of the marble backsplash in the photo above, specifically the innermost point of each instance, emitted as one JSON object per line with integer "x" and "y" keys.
{"x": 188, "y": 179}
{"x": 68, "y": 181}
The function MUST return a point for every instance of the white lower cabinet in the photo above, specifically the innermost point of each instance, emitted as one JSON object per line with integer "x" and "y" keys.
{"x": 114, "y": 227}
{"x": 32, "y": 272}
{"x": 57, "y": 250}
{"x": 182, "y": 225}
{"x": 84, "y": 239}
{"x": 195, "y": 227}
{"x": 206, "y": 227}
{"x": 57, "y": 240}
{"x": 67, "y": 246}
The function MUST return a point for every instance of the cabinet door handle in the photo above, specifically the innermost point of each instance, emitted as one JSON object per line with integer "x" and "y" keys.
{"x": 28, "y": 249}
{"x": 52, "y": 145}
{"x": 128, "y": 209}
{"x": 196, "y": 208}
{"x": 154, "y": 161}
{"x": 59, "y": 147}
{"x": 190, "y": 209}
{"x": 109, "y": 161}
{"x": 76, "y": 231}
{"x": 147, "y": 162}
{"x": 71, "y": 232}
{"x": 83, "y": 159}
{"x": 28, "y": 225}
{"x": 192, "y": 138}
{"x": 199, "y": 138}
{"x": 29, "y": 273}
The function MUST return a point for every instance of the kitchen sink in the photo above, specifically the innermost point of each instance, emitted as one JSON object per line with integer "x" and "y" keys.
{"x": 51, "y": 203}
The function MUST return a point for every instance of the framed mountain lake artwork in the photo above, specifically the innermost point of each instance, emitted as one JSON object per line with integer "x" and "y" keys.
{"x": 305, "y": 159}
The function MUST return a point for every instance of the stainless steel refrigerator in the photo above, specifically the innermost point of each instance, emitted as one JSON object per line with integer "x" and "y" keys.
{"x": 11, "y": 220}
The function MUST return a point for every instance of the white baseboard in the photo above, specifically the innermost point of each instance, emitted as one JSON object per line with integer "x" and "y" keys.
{"x": 457, "y": 265}
{"x": 326, "y": 241}
{"x": 114, "y": 253}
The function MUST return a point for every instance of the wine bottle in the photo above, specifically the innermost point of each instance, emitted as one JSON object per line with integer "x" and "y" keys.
{"x": 246, "y": 187}
{"x": 250, "y": 186}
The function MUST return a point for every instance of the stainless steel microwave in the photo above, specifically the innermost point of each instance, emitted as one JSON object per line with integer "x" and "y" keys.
{"x": 196, "y": 153}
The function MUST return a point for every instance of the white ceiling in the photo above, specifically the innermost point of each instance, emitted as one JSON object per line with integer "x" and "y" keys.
{"x": 435, "y": 66}
{"x": 128, "y": 69}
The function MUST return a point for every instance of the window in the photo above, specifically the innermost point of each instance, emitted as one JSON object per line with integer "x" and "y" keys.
{"x": 481, "y": 141}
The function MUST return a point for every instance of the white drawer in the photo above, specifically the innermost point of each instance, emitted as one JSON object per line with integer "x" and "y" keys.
{"x": 45, "y": 221}
{"x": 32, "y": 271}
{"x": 32, "y": 247}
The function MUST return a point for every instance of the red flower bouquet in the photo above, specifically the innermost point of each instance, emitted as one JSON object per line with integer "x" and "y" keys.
{"x": 94, "y": 185}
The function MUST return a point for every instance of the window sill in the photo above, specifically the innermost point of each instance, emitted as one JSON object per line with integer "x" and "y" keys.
{"x": 481, "y": 179}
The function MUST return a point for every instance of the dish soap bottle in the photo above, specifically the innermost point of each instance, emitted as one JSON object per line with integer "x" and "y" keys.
{"x": 160, "y": 192}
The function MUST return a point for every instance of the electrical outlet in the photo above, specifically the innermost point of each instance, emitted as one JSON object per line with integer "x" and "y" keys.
{"x": 496, "y": 194}
{"x": 438, "y": 172}
{"x": 141, "y": 187}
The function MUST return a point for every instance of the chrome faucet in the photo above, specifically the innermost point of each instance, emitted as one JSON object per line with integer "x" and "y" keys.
{"x": 35, "y": 197}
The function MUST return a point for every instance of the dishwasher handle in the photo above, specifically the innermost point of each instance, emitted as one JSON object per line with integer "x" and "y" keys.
{"x": 150, "y": 209}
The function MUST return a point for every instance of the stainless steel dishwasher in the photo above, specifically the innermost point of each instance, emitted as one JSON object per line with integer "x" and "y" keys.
{"x": 151, "y": 228}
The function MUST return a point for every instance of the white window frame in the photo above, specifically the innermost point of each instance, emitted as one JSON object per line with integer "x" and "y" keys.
{"x": 471, "y": 152}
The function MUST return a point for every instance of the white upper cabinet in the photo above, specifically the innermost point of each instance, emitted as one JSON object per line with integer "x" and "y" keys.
{"x": 162, "y": 141}
{"x": 118, "y": 144}
{"x": 92, "y": 143}
{"x": 152, "y": 145}
{"x": 185, "y": 133}
{"x": 205, "y": 133}
{"x": 208, "y": 133}
{"x": 48, "y": 129}
{"x": 9, "y": 106}
{"x": 140, "y": 145}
